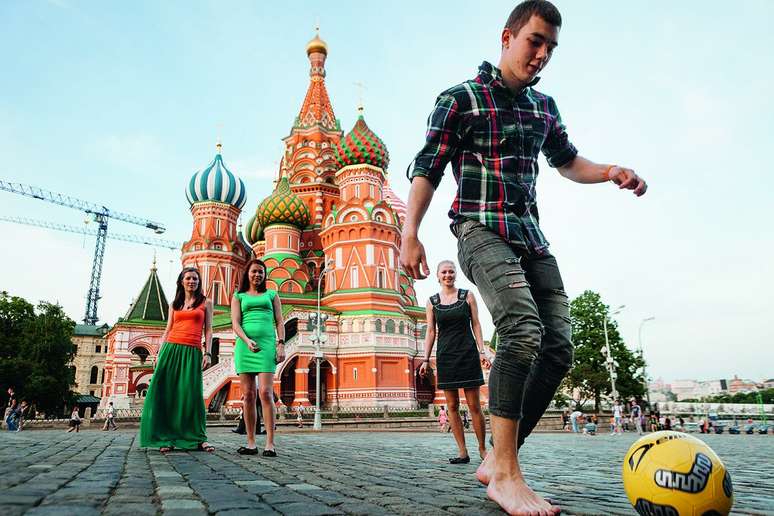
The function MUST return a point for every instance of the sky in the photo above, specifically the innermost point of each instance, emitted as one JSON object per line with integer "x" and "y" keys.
{"x": 119, "y": 103}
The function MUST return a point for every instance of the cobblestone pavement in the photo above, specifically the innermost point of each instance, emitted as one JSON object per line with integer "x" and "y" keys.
{"x": 52, "y": 473}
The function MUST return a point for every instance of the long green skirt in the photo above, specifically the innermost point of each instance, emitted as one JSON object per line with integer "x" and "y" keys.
{"x": 174, "y": 413}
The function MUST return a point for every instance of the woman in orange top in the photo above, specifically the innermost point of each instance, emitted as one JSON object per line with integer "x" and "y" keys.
{"x": 173, "y": 415}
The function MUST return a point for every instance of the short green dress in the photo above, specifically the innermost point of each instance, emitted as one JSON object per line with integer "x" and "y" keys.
{"x": 258, "y": 324}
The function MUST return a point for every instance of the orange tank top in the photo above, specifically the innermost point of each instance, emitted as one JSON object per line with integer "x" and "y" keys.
{"x": 187, "y": 326}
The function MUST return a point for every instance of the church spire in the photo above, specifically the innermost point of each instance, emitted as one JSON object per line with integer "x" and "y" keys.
{"x": 317, "y": 109}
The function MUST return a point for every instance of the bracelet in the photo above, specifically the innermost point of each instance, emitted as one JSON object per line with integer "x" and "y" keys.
{"x": 426, "y": 361}
{"x": 206, "y": 353}
{"x": 281, "y": 341}
{"x": 607, "y": 172}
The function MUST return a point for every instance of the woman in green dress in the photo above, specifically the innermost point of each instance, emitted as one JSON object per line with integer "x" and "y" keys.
{"x": 173, "y": 415}
{"x": 256, "y": 316}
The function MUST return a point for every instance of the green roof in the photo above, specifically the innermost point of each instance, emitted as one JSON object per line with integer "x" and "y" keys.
{"x": 86, "y": 398}
{"x": 91, "y": 330}
{"x": 151, "y": 304}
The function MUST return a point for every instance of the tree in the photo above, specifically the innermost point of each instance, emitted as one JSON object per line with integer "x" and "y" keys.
{"x": 35, "y": 349}
{"x": 589, "y": 379}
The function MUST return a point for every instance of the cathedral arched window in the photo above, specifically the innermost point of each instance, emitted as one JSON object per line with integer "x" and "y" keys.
{"x": 401, "y": 328}
{"x": 378, "y": 325}
{"x": 94, "y": 374}
{"x": 390, "y": 326}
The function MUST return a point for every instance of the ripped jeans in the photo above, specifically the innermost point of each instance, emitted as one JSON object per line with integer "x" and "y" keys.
{"x": 525, "y": 296}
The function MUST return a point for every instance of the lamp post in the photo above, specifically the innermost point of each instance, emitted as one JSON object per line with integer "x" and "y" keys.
{"x": 610, "y": 361}
{"x": 319, "y": 338}
{"x": 644, "y": 368}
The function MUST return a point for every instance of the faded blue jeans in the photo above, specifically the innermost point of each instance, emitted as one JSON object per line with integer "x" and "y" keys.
{"x": 525, "y": 296}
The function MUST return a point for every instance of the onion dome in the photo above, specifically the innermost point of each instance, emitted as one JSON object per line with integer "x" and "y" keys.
{"x": 216, "y": 183}
{"x": 362, "y": 146}
{"x": 396, "y": 202}
{"x": 252, "y": 231}
{"x": 282, "y": 207}
{"x": 316, "y": 45}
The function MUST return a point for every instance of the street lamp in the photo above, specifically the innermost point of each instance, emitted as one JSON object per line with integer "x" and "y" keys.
{"x": 610, "y": 361}
{"x": 319, "y": 338}
{"x": 644, "y": 368}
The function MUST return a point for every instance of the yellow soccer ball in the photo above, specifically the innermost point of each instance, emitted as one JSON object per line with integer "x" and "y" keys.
{"x": 674, "y": 474}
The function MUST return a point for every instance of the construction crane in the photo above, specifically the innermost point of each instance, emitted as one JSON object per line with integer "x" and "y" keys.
{"x": 136, "y": 239}
{"x": 101, "y": 215}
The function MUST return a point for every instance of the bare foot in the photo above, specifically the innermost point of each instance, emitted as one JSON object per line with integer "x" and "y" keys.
{"x": 515, "y": 497}
{"x": 485, "y": 469}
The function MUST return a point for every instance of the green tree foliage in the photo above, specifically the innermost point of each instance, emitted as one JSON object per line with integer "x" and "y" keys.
{"x": 589, "y": 378}
{"x": 767, "y": 396}
{"x": 35, "y": 349}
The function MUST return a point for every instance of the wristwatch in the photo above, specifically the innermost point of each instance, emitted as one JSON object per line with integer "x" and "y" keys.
{"x": 280, "y": 341}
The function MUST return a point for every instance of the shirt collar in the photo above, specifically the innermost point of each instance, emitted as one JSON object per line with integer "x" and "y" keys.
{"x": 492, "y": 76}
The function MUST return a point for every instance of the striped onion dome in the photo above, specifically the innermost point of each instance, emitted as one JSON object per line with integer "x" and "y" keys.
{"x": 252, "y": 232}
{"x": 362, "y": 146}
{"x": 216, "y": 183}
{"x": 282, "y": 207}
{"x": 396, "y": 202}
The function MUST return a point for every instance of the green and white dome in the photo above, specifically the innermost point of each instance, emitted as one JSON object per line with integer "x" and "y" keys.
{"x": 216, "y": 183}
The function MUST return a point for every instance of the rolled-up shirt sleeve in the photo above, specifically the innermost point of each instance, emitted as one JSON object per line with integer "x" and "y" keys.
{"x": 441, "y": 141}
{"x": 557, "y": 147}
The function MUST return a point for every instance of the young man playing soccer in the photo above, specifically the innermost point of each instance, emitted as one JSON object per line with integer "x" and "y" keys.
{"x": 491, "y": 129}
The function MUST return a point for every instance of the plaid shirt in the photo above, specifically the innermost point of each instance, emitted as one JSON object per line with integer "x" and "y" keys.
{"x": 492, "y": 138}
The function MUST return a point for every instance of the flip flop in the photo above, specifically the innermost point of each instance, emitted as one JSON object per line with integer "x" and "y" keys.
{"x": 269, "y": 453}
{"x": 166, "y": 449}
{"x": 459, "y": 460}
{"x": 207, "y": 447}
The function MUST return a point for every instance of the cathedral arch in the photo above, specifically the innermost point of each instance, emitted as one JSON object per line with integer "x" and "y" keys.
{"x": 390, "y": 326}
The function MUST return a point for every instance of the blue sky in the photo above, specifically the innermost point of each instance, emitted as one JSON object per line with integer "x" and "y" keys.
{"x": 120, "y": 103}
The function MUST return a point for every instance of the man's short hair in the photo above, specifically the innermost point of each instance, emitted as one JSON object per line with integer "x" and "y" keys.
{"x": 525, "y": 10}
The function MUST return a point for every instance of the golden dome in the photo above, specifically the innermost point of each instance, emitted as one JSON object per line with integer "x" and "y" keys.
{"x": 316, "y": 45}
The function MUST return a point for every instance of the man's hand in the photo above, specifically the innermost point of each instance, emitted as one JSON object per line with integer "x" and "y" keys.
{"x": 626, "y": 179}
{"x": 412, "y": 257}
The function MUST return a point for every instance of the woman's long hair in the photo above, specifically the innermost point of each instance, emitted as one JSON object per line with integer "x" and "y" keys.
{"x": 244, "y": 286}
{"x": 199, "y": 297}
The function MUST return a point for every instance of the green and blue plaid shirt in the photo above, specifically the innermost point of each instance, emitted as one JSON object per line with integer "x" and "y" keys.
{"x": 492, "y": 138}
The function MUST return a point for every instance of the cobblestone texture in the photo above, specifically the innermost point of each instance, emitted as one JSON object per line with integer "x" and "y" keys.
{"x": 52, "y": 473}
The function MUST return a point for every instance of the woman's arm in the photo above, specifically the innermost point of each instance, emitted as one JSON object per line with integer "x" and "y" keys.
{"x": 429, "y": 338}
{"x": 474, "y": 322}
{"x": 207, "y": 358}
{"x": 430, "y": 333}
{"x": 236, "y": 322}
{"x": 170, "y": 318}
{"x": 280, "y": 326}
{"x": 476, "y": 325}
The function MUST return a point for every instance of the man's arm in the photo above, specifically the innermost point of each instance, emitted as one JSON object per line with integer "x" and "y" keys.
{"x": 412, "y": 252}
{"x": 441, "y": 142}
{"x": 582, "y": 170}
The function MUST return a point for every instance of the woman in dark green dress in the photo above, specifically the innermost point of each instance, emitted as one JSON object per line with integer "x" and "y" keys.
{"x": 173, "y": 415}
{"x": 452, "y": 315}
{"x": 256, "y": 316}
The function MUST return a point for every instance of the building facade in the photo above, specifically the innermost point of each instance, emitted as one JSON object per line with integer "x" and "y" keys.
{"x": 329, "y": 234}
{"x": 90, "y": 351}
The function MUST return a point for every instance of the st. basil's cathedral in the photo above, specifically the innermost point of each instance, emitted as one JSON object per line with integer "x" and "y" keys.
{"x": 332, "y": 206}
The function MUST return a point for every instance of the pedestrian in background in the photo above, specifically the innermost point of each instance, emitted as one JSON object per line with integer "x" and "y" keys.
{"x": 10, "y": 416}
{"x": 110, "y": 414}
{"x": 75, "y": 421}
